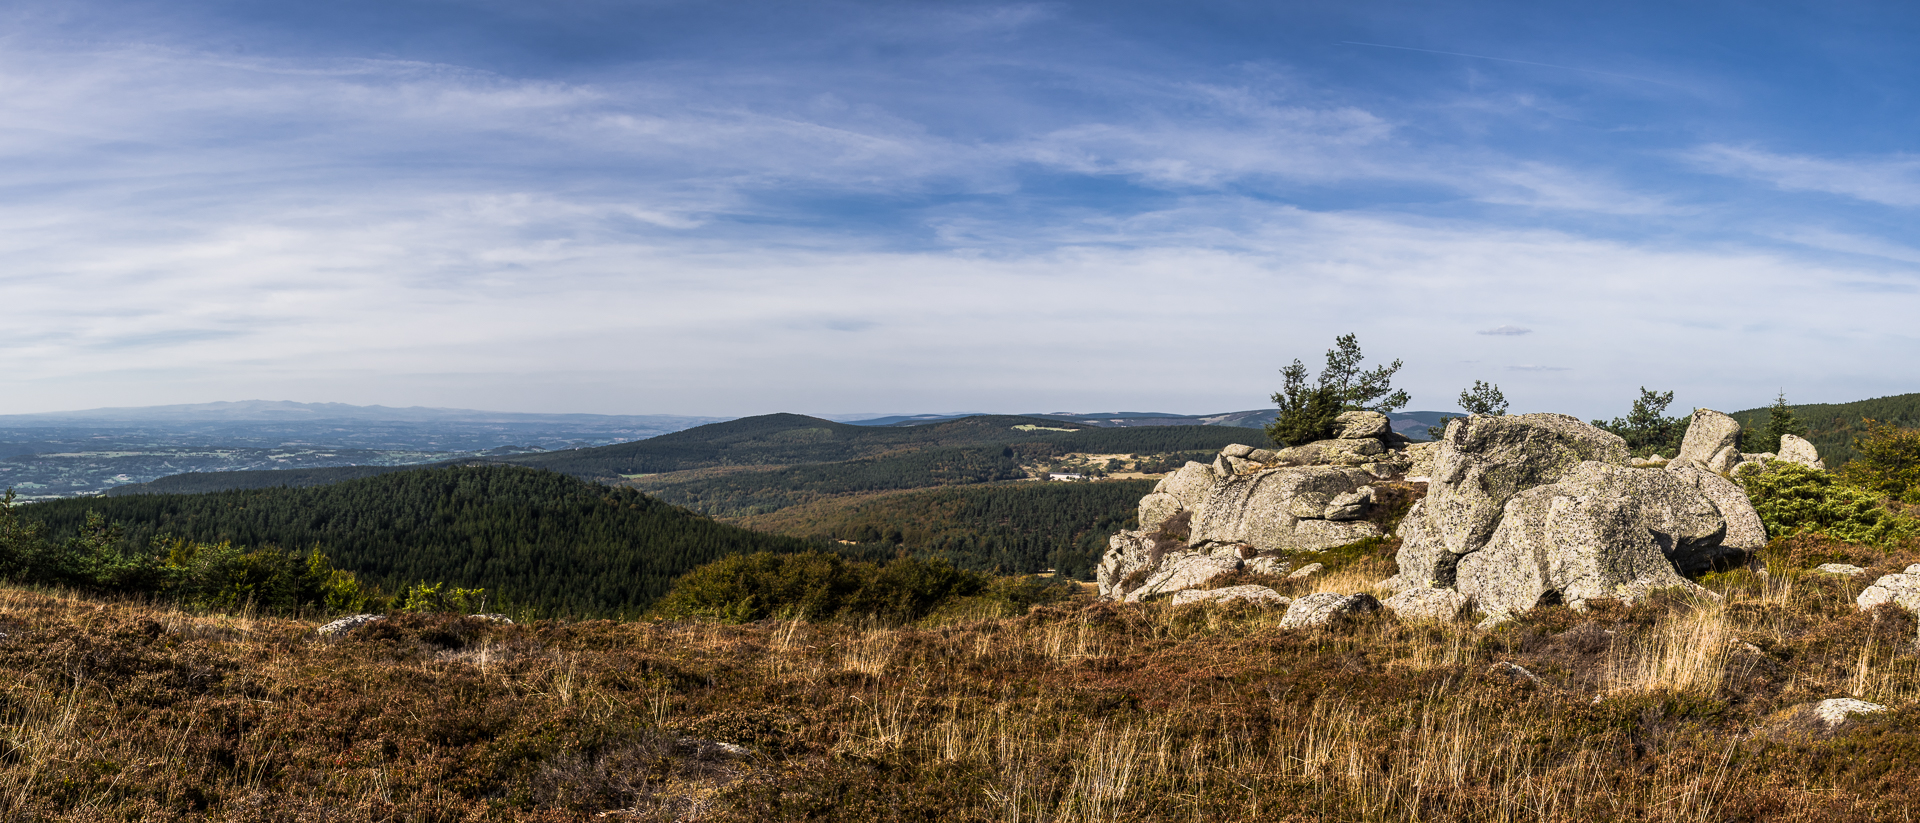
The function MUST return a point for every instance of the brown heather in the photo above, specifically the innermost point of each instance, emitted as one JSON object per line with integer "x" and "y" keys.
{"x": 1670, "y": 711}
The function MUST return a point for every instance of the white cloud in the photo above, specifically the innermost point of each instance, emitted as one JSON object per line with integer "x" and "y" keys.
{"x": 1850, "y": 243}
{"x": 527, "y": 311}
{"x": 1508, "y": 331}
{"x": 1892, "y": 180}
{"x": 181, "y": 228}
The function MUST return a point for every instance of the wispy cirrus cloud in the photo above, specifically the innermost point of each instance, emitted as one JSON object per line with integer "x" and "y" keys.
{"x": 1892, "y": 180}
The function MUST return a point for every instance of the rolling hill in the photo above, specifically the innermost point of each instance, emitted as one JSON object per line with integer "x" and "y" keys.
{"x": 534, "y": 538}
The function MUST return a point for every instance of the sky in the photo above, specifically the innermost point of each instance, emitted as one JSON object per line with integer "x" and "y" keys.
{"x": 838, "y": 207}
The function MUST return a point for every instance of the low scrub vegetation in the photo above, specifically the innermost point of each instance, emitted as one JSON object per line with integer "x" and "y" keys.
{"x": 1869, "y": 500}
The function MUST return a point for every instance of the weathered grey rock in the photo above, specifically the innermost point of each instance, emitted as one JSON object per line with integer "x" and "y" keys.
{"x": 712, "y": 749}
{"x": 1263, "y": 456}
{"x": 1839, "y": 569}
{"x": 1350, "y": 452}
{"x": 1237, "y": 551}
{"x": 1584, "y": 538}
{"x": 1156, "y": 508}
{"x": 1913, "y": 569}
{"x": 1257, "y": 595}
{"x": 1744, "y": 530}
{"x": 1189, "y": 485}
{"x": 1420, "y": 458}
{"x": 1386, "y": 469}
{"x": 1564, "y": 531}
{"x": 1183, "y": 571}
{"x": 1237, "y": 450}
{"x": 1815, "y": 721}
{"x": 1127, "y": 552}
{"x": 1835, "y": 711}
{"x": 1441, "y": 605}
{"x": 1326, "y": 608}
{"x": 1709, "y": 433}
{"x": 1796, "y": 449}
{"x": 1423, "y": 560}
{"x": 1486, "y": 459}
{"x": 1513, "y": 672}
{"x": 1358, "y": 424}
{"x": 1227, "y": 466}
{"x": 1257, "y": 509}
{"x": 497, "y": 618}
{"x": 1310, "y": 505}
{"x": 1306, "y": 571}
{"x": 1725, "y": 460}
{"x": 347, "y": 624}
{"x": 1350, "y": 506}
{"x": 1493, "y": 621}
{"x": 1268, "y": 565}
{"x": 1902, "y": 590}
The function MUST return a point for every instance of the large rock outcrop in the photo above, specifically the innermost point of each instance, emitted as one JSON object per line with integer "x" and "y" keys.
{"x": 1585, "y": 538}
{"x": 1484, "y": 460}
{"x": 1535, "y": 509}
{"x": 1253, "y": 504}
{"x": 1283, "y": 509}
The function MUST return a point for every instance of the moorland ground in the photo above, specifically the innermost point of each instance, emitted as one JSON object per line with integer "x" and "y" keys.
{"x": 1673, "y": 709}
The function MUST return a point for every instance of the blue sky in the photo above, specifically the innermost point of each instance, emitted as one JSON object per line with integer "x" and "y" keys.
{"x": 738, "y": 208}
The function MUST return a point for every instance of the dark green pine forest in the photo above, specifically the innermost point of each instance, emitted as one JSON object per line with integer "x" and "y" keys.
{"x": 1006, "y": 528}
{"x": 1832, "y": 427}
{"x": 532, "y": 538}
{"x": 606, "y": 531}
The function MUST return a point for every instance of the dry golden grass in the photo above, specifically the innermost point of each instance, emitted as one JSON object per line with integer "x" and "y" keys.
{"x": 1078, "y": 712}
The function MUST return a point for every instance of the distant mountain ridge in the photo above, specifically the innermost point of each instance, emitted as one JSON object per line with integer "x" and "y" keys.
{"x": 1413, "y": 424}
{"x": 286, "y": 410}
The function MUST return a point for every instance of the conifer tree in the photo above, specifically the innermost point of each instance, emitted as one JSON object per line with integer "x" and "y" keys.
{"x": 1781, "y": 422}
{"x": 1307, "y": 413}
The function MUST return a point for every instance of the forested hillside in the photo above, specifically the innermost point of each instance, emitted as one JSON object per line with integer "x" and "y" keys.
{"x": 743, "y": 493}
{"x": 1833, "y": 426}
{"x": 1005, "y": 527}
{"x": 782, "y": 440}
{"x": 532, "y": 537}
{"x": 203, "y": 482}
{"x": 739, "y": 493}
{"x": 792, "y": 439}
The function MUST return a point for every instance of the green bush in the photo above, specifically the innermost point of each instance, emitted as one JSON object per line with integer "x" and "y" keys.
{"x": 822, "y": 586}
{"x": 1792, "y": 499}
{"x": 437, "y": 598}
